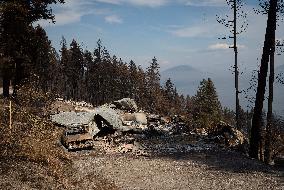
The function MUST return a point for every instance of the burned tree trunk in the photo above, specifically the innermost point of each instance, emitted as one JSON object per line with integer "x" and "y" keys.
{"x": 6, "y": 82}
{"x": 19, "y": 75}
{"x": 268, "y": 148}
{"x": 268, "y": 43}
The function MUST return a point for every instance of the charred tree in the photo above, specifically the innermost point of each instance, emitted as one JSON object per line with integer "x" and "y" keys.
{"x": 267, "y": 151}
{"x": 268, "y": 44}
{"x": 6, "y": 73}
{"x": 236, "y": 6}
{"x": 6, "y": 82}
{"x": 16, "y": 20}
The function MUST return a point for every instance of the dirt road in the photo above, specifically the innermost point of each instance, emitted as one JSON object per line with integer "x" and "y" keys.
{"x": 197, "y": 170}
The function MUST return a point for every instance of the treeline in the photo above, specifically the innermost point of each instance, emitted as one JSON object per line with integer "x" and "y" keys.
{"x": 98, "y": 77}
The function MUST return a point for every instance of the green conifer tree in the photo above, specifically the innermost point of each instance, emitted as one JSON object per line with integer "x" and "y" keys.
{"x": 207, "y": 110}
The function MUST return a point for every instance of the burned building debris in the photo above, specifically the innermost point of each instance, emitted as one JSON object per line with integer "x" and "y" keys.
{"x": 120, "y": 127}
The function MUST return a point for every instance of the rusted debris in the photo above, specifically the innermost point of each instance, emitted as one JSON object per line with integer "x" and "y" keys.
{"x": 83, "y": 127}
{"x": 77, "y": 138}
{"x": 229, "y": 136}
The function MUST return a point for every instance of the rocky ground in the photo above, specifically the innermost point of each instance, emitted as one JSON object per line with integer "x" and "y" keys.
{"x": 214, "y": 169}
{"x": 165, "y": 166}
{"x": 176, "y": 162}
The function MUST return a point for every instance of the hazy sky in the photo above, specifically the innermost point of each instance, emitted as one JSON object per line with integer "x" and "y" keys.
{"x": 177, "y": 32}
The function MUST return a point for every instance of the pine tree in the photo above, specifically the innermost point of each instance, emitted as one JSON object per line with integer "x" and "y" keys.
{"x": 64, "y": 66}
{"x": 56, "y": 73}
{"x": 177, "y": 102}
{"x": 16, "y": 19}
{"x": 90, "y": 70}
{"x": 133, "y": 80}
{"x": 40, "y": 54}
{"x": 169, "y": 97}
{"x": 153, "y": 85}
{"x": 169, "y": 90}
{"x": 75, "y": 69}
{"x": 206, "y": 110}
{"x": 141, "y": 88}
{"x": 93, "y": 75}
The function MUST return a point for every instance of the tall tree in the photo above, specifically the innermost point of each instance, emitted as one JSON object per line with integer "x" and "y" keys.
{"x": 153, "y": 84}
{"x": 206, "y": 108}
{"x": 169, "y": 89}
{"x": 64, "y": 65}
{"x": 267, "y": 150}
{"x": 89, "y": 65}
{"x": 56, "y": 73}
{"x": 268, "y": 137}
{"x": 255, "y": 136}
{"x": 133, "y": 80}
{"x": 141, "y": 88}
{"x": 93, "y": 74}
{"x": 169, "y": 97}
{"x": 236, "y": 6}
{"x": 40, "y": 53}
{"x": 16, "y": 19}
{"x": 75, "y": 69}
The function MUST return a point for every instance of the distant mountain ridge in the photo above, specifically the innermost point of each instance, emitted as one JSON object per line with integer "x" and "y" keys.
{"x": 187, "y": 79}
{"x": 181, "y": 68}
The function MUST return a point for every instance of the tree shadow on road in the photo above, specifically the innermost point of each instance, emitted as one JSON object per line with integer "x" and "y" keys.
{"x": 218, "y": 158}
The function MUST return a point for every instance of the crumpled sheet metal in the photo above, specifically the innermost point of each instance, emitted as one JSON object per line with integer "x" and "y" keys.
{"x": 73, "y": 119}
{"x": 112, "y": 117}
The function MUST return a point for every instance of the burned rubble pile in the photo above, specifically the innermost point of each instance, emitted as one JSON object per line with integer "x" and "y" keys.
{"x": 119, "y": 127}
{"x": 226, "y": 135}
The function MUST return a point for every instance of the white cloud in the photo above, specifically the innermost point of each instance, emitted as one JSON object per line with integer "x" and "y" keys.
{"x": 113, "y": 19}
{"x": 219, "y": 46}
{"x": 72, "y": 11}
{"x": 240, "y": 46}
{"x": 194, "y": 31}
{"x": 201, "y": 30}
{"x": 157, "y": 3}
{"x": 116, "y": 2}
{"x": 224, "y": 46}
{"x": 204, "y": 2}
{"x": 149, "y": 3}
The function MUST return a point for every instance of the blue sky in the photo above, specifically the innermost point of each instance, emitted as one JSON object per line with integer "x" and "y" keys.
{"x": 177, "y": 32}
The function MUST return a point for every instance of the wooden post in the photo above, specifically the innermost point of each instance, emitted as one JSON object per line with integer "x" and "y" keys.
{"x": 10, "y": 109}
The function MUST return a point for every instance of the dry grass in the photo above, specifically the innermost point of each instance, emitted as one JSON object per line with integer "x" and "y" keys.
{"x": 32, "y": 139}
{"x": 31, "y": 155}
